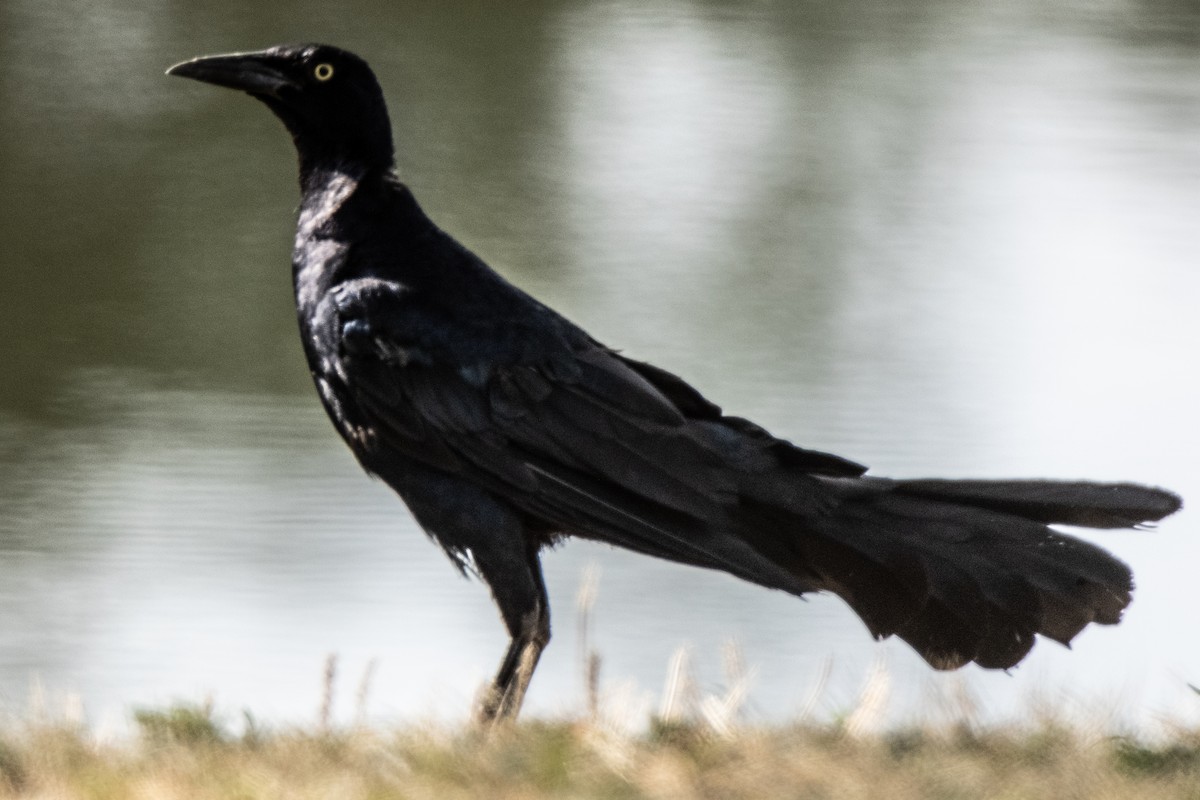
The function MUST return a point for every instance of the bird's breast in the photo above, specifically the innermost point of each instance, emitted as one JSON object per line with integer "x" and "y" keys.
{"x": 318, "y": 251}
{"x": 315, "y": 262}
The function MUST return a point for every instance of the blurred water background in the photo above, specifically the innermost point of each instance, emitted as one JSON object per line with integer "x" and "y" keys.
{"x": 940, "y": 238}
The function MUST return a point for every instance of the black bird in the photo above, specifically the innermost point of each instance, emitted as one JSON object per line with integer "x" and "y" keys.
{"x": 504, "y": 427}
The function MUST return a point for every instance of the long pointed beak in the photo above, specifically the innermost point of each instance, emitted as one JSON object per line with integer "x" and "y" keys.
{"x": 256, "y": 73}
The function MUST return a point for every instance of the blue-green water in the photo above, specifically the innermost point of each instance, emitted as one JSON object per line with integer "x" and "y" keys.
{"x": 939, "y": 238}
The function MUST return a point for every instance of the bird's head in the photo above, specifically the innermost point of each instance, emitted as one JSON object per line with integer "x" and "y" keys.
{"x": 328, "y": 98}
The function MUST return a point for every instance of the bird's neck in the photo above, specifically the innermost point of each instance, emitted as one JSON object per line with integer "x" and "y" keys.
{"x": 316, "y": 173}
{"x": 353, "y": 147}
{"x": 369, "y": 156}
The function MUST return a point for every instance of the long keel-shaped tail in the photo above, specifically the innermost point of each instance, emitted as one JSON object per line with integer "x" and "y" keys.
{"x": 967, "y": 571}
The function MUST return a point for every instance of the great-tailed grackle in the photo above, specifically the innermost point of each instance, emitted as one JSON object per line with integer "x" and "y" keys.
{"x": 503, "y": 426}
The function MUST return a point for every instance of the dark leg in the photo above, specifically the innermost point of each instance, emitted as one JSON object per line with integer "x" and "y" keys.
{"x": 526, "y": 611}
{"x": 482, "y": 534}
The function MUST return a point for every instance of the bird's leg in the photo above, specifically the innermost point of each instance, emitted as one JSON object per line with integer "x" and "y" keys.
{"x": 526, "y": 611}
{"x": 504, "y": 697}
{"x": 489, "y": 538}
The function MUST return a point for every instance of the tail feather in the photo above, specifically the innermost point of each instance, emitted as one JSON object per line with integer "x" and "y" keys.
{"x": 967, "y": 571}
{"x": 1091, "y": 505}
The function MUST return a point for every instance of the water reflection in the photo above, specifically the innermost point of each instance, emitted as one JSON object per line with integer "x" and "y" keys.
{"x": 944, "y": 238}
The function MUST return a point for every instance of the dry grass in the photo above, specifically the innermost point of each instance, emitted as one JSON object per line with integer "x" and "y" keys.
{"x": 183, "y": 752}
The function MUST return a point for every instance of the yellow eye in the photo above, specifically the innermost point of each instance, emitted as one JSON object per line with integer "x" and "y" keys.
{"x": 323, "y": 72}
